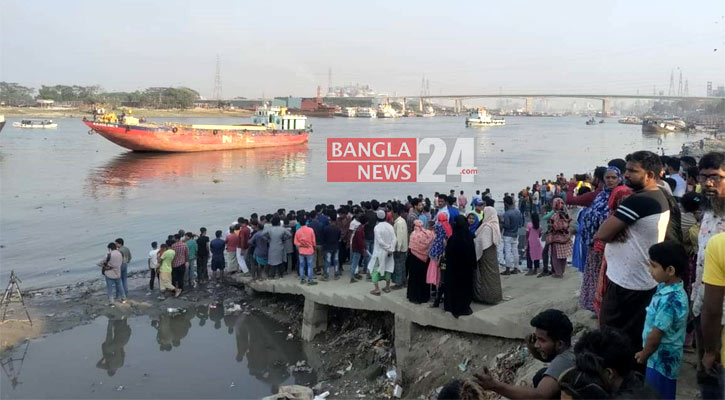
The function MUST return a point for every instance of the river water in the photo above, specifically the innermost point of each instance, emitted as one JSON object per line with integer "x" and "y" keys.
{"x": 199, "y": 354}
{"x": 65, "y": 194}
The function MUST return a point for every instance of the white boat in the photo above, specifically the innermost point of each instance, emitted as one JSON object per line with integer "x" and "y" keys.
{"x": 481, "y": 117}
{"x": 428, "y": 112}
{"x": 2, "y": 122}
{"x": 386, "y": 111}
{"x": 36, "y": 124}
{"x": 366, "y": 112}
{"x": 349, "y": 111}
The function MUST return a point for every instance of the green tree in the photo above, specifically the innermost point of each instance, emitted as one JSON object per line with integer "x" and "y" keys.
{"x": 13, "y": 94}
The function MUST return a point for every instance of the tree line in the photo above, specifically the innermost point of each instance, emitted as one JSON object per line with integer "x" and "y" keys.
{"x": 13, "y": 94}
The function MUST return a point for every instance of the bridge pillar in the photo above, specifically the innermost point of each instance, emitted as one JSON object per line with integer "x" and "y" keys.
{"x": 529, "y": 105}
{"x": 420, "y": 104}
{"x": 606, "y": 106}
{"x": 404, "y": 101}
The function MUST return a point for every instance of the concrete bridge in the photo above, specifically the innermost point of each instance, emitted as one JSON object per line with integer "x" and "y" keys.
{"x": 604, "y": 98}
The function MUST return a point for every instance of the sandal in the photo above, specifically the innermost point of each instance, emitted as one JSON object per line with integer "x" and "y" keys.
{"x": 375, "y": 292}
{"x": 386, "y": 290}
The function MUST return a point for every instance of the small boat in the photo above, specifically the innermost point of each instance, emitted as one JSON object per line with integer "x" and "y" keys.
{"x": 591, "y": 121}
{"x": 630, "y": 121}
{"x": 386, "y": 111}
{"x": 601, "y": 121}
{"x": 428, "y": 112}
{"x": 2, "y": 122}
{"x": 481, "y": 117}
{"x": 349, "y": 111}
{"x": 36, "y": 124}
{"x": 271, "y": 127}
{"x": 664, "y": 126}
{"x": 366, "y": 112}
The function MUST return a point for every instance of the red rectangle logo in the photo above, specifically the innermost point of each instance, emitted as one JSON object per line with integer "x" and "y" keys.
{"x": 372, "y": 149}
{"x": 371, "y": 171}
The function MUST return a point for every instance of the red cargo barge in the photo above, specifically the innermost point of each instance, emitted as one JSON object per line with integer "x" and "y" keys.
{"x": 272, "y": 127}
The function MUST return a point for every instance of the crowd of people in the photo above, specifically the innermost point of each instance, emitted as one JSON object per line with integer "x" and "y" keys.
{"x": 646, "y": 232}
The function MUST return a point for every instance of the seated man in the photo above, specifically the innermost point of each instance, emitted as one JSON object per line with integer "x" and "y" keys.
{"x": 550, "y": 342}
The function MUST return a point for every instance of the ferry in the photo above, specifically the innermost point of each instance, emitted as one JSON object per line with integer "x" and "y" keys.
{"x": 630, "y": 121}
{"x": 481, "y": 117}
{"x": 366, "y": 112}
{"x": 271, "y": 127}
{"x": 36, "y": 124}
{"x": 428, "y": 112}
{"x": 349, "y": 111}
{"x": 664, "y": 126}
{"x": 2, "y": 122}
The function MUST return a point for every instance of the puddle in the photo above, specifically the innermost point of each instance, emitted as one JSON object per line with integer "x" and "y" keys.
{"x": 199, "y": 354}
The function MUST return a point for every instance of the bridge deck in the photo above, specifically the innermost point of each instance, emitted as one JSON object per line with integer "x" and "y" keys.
{"x": 524, "y": 296}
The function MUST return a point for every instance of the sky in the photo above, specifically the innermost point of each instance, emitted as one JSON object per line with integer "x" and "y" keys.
{"x": 285, "y": 48}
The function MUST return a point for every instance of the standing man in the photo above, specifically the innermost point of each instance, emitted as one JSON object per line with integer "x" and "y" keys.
{"x": 216, "y": 247}
{"x": 401, "y": 247}
{"x": 673, "y": 170}
{"x": 306, "y": 244}
{"x": 153, "y": 264}
{"x": 638, "y": 223}
{"x": 370, "y": 213}
{"x": 416, "y": 207}
{"x": 244, "y": 235}
{"x": 179, "y": 264}
{"x": 382, "y": 264}
{"x": 124, "y": 265}
{"x": 232, "y": 243}
{"x": 512, "y": 220}
{"x": 191, "y": 268}
{"x": 331, "y": 247}
{"x": 712, "y": 318}
{"x": 202, "y": 256}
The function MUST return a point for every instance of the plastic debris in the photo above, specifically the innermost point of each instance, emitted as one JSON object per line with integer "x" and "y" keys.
{"x": 290, "y": 336}
{"x": 232, "y": 385}
{"x": 233, "y": 308}
{"x": 398, "y": 392}
{"x": 444, "y": 339}
{"x": 463, "y": 366}
{"x": 175, "y": 311}
{"x": 322, "y": 396}
{"x": 118, "y": 389}
{"x": 392, "y": 374}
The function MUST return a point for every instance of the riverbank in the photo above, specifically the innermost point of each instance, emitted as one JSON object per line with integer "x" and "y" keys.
{"x": 36, "y": 112}
{"x": 699, "y": 148}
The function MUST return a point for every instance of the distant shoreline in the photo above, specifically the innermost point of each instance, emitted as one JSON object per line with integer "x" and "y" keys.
{"x": 36, "y": 112}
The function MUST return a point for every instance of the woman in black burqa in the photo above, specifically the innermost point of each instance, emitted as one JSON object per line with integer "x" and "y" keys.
{"x": 460, "y": 268}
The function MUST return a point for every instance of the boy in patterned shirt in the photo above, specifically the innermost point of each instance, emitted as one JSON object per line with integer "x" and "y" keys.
{"x": 665, "y": 325}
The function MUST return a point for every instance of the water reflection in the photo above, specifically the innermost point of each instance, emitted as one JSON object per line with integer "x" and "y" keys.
{"x": 132, "y": 169}
{"x": 118, "y": 333}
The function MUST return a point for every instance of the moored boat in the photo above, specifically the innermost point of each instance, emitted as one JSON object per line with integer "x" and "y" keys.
{"x": 366, "y": 112}
{"x": 349, "y": 111}
{"x": 386, "y": 111}
{"x": 630, "y": 121}
{"x": 481, "y": 117}
{"x": 36, "y": 124}
{"x": 2, "y": 122}
{"x": 271, "y": 127}
{"x": 663, "y": 126}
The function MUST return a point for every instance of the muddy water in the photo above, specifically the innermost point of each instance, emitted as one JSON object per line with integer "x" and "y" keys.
{"x": 199, "y": 354}
{"x": 65, "y": 194}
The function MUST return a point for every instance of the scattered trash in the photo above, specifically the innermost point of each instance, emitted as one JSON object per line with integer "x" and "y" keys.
{"x": 118, "y": 389}
{"x": 425, "y": 375}
{"x": 322, "y": 396}
{"x": 290, "y": 336}
{"x": 463, "y": 366}
{"x": 444, "y": 339}
{"x": 398, "y": 391}
{"x": 392, "y": 374}
{"x": 175, "y": 311}
{"x": 232, "y": 385}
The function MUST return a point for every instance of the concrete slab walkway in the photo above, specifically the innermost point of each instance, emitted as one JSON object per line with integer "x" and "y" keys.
{"x": 524, "y": 297}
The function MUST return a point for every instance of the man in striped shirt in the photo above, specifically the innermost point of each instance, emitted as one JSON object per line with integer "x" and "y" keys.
{"x": 638, "y": 223}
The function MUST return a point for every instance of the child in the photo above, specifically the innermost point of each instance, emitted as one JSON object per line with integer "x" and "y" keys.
{"x": 665, "y": 325}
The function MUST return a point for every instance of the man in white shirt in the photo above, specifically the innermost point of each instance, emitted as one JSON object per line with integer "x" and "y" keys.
{"x": 673, "y": 170}
{"x": 153, "y": 264}
{"x": 382, "y": 263}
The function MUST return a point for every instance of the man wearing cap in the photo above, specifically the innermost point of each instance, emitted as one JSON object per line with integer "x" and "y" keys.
{"x": 478, "y": 208}
{"x": 382, "y": 263}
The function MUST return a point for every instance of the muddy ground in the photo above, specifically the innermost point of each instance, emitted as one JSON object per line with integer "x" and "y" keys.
{"x": 354, "y": 358}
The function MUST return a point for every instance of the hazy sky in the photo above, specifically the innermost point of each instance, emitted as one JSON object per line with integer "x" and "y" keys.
{"x": 285, "y": 48}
